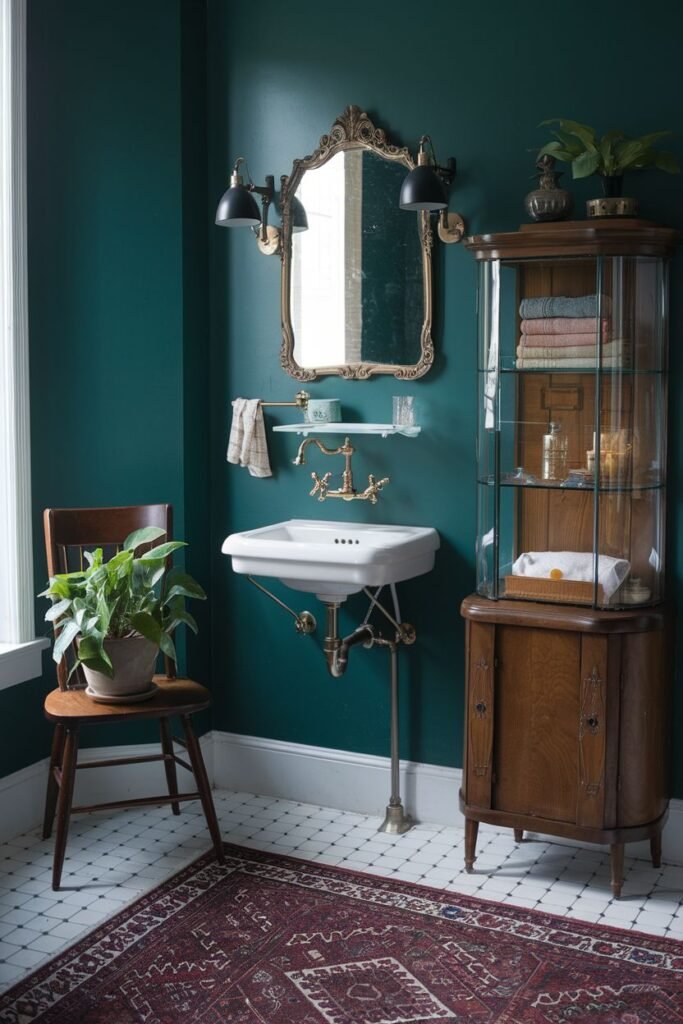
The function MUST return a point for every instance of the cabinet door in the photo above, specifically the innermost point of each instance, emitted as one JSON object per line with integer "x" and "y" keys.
{"x": 598, "y": 720}
{"x": 537, "y": 694}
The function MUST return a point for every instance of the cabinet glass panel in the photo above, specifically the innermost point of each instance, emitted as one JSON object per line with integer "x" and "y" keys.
{"x": 571, "y": 444}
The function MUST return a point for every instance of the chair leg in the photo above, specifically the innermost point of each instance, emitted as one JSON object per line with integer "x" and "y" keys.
{"x": 66, "y": 792}
{"x": 202, "y": 779}
{"x": 169, "y": 766}
{"x": 52, "y": 784}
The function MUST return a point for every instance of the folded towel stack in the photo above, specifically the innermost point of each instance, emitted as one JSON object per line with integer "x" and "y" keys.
{"x": 562, "y": 333}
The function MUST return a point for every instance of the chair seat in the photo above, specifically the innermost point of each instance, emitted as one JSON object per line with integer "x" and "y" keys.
{"x": 173, "y": 697}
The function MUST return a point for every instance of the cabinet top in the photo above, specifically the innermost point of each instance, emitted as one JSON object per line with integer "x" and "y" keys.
{"x": 565, "y": 617}
{"x": 611, "y": 236}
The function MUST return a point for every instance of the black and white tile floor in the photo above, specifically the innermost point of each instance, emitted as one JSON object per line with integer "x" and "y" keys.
{"x": 112, "y": 858}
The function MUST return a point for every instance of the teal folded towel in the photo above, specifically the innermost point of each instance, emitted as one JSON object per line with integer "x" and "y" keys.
{"x": 561, "y": 305}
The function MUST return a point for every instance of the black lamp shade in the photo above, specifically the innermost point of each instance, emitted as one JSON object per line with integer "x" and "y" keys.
{"x": 237, "y": 209}
{"x": 422, "y": 189}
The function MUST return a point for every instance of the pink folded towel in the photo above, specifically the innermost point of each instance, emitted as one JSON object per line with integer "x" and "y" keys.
{"x": 577, "y": 363}
{"x": 542, "y": 351}
{"x": 564, "y": 325}
{"x": 558, "y": 340}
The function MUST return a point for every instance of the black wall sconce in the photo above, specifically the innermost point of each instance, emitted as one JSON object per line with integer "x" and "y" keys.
{"x": 238, "y": 209}
{"x": 425, "y": 188}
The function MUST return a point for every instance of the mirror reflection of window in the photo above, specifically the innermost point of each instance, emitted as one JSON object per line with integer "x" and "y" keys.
{"x": 326, "y": 264}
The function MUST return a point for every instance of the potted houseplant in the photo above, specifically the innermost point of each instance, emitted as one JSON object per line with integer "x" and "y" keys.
{"x": 609, "y": 157}
{"x": 120, "y": 613}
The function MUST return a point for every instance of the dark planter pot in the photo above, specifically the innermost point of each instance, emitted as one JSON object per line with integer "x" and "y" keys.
{"x": 612, "y": 185}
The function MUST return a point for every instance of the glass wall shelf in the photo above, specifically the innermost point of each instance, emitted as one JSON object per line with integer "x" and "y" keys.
{"x": 383, "y": 429}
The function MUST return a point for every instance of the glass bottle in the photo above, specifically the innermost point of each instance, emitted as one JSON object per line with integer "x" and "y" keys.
{"x": 555, "y": 451}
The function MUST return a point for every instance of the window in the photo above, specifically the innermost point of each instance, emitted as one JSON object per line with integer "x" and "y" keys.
{"x": 19, "y": 652}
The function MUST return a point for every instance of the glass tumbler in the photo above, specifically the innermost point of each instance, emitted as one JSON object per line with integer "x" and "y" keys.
{"x": 403, "y": 409}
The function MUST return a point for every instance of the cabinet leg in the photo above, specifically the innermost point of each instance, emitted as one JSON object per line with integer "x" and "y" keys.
{"x": 471, "y": 830}
{"x": 656, "y": 850}
{"x": 617, "y": 862}
{"x": 519, "y": 835}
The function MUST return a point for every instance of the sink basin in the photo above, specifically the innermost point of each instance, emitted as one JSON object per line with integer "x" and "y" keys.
{"x": 333, "y": 560}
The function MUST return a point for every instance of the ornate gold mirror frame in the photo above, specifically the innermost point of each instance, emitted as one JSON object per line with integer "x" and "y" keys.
{"x": 352, "y": 130}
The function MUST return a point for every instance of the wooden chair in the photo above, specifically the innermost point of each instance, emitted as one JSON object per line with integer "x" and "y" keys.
{"x": 68, "y": 532}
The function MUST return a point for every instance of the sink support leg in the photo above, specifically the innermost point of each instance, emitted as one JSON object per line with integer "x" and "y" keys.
{"x": 396, "y": 821}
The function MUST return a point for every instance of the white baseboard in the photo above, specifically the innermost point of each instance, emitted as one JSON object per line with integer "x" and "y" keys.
{"x": 22, "y": 794}
{"x": 291, "y": 771}
{"x": 361, "y": 783}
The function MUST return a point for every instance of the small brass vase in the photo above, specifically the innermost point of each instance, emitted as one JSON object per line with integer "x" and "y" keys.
{"x": 548, "y": 201}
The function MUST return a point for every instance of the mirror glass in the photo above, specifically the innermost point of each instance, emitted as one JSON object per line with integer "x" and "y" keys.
{"x": 356, "y": 268}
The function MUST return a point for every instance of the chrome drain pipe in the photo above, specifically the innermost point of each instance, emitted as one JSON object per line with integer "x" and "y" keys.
{"x": 337, "y": 649}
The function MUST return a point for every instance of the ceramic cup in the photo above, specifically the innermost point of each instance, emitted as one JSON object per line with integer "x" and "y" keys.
{"x": 323, "y": 410}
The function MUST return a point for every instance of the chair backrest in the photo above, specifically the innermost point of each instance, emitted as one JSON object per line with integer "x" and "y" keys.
{"x": 71, "y": 531}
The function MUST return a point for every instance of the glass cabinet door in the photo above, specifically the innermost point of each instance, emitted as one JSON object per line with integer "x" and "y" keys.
{"x": 572, "y": 427}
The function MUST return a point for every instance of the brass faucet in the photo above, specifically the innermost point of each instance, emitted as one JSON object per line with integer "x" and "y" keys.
{"x": 347, "y": 491}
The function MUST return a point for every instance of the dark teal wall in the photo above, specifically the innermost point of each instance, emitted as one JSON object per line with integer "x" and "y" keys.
{"x": 479, "y": 79}
{"x": 116, "y": 288}
{"x": 133, "y": 369}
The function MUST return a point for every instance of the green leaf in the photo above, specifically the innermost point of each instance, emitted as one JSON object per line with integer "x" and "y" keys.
{"x": 667, "y": 162}
{"x": 569, "y": 142}
{"x": 98, "y": 665}
{"x": 57, "y": 609}
{"x": 181, "y": 584}
{"x": 607, "y": 156}
{"x": 91, "y": 649}
{"x": 94, "y": 558}
{"x": 585, "y": 164}
{"x": 58, "y": 588}
{"x": 653, "y": 137}
{"x": 167, "y": 647}
{"x": 163, "y": 550}
{"x": 146, "y": 625}
{"x": 180, "y": 616}
{"x": 67, "y": 635}
{"x": 581, "y": 131}
{"x": 143, "y": 536}
{"x": 557, "y": 150}
{"x": 156, "y": 574}
{"x": 629, "y": 153}
{"x": 124, "y": 559}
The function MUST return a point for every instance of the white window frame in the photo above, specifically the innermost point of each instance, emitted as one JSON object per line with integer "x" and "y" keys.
{"x": 20, "y": 652}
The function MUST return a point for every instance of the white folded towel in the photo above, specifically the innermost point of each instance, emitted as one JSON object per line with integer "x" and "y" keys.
{"x": 247, "y": 445}
{"x": 574, "y": 565}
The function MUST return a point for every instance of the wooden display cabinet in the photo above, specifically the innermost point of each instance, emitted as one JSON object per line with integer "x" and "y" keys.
{"x": 568, "y": 664}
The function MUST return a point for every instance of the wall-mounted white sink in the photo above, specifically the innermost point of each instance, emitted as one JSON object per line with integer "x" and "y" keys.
{"x": 333, "y": 560}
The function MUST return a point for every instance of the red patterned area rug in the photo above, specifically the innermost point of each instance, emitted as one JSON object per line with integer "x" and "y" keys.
{"x": 274, "y": 940}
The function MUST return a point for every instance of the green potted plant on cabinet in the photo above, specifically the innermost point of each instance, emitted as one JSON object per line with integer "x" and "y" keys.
{"x": 610, "y": 157}
{"x": 120, "y": 613}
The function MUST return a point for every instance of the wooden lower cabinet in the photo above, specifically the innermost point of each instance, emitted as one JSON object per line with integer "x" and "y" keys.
{"x": 567, "y": 725}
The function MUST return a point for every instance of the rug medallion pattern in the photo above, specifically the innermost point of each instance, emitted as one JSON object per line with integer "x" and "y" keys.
{"x": 274, "y": 940}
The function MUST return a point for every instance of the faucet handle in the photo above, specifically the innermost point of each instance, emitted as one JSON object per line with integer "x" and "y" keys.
{"x": 320, "y": 485}
{"x": 374, "y": 487}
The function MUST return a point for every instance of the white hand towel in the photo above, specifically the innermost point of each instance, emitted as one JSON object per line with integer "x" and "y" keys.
{"x": 247, "y": 445}
{"x": 575, "y": 565}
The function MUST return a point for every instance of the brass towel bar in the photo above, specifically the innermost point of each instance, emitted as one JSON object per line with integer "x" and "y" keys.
{"x": 300, "y": 401}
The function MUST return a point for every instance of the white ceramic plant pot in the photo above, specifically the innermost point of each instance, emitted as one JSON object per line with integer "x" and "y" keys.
{"x": 134, "y": 659}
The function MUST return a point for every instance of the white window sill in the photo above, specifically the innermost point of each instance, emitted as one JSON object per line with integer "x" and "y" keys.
{"x": 19, "y": 662}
